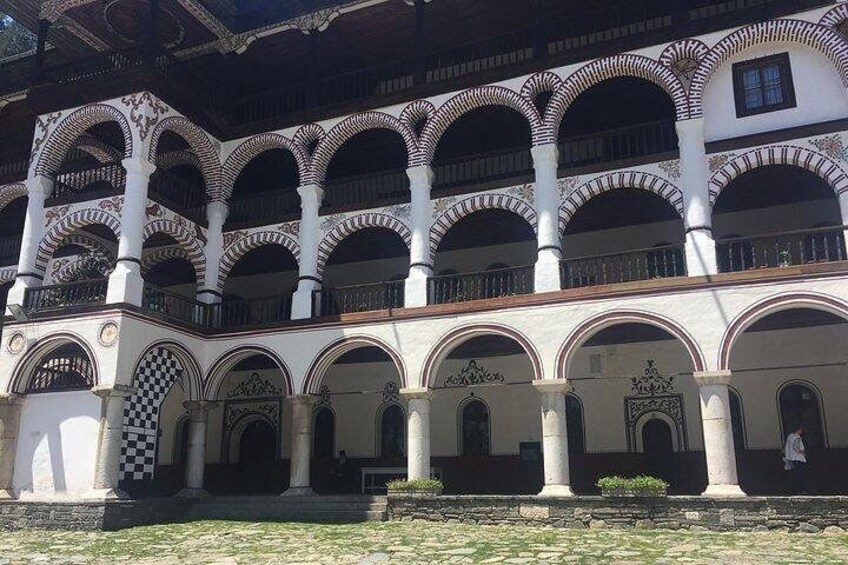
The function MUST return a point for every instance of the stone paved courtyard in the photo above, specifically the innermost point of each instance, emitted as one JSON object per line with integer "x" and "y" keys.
{"x": 411, "y": 543}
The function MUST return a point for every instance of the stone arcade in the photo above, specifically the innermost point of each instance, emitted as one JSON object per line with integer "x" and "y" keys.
{"x": 599, "y": 242}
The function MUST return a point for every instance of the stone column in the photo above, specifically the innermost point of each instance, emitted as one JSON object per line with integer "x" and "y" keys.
{"x": 10, "y": 422}
{"x": 843, "y": 209}
{"x": 106, "y": 468}
{"x": 301, "y": 446}
{"x": 554, "y": 437}
{"x": 718, "y": 434}
{"x": 420, "y": 261}
{"x": 694, "y": 179}
{"x": 28, "y": 276}
{"x": 311, "y": 196}
{"x": 546, "y": 273}
{"x": 198, "y": 414}
{"x": 418, "y": 433}
{"x": 126, "y": 285}
{"x": 216, "y": 215}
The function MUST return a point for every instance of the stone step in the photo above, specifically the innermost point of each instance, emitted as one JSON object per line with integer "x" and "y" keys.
{"x": 331, "y": 509}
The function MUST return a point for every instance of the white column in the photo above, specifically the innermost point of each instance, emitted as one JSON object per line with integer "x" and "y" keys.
{"x": 301, "y": 446}
{"x": 546, "y": 273}
{"x": 311, "y": 196}
{"x": 418, "y": 433}
{"x": 198, "y": 415}
{"x": 843, "y": 209}
{"x": 38, "y": 189}
{"x": 216, "y": 215}
{"x": 10, "y": 421}
{"x": 106, "y": 468}
{"x": 125, "y": 283}
{"x": 694, "y": 179}
{"x": 420, "y": 261}
{"x": 718, "y": 434}
{"x": 554, "y": 437}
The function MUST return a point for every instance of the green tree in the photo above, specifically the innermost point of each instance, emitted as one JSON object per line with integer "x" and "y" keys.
{"x": 14, "y": 38}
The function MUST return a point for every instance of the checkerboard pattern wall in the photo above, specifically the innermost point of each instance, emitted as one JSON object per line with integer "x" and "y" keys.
{"x": 154, "y": 377}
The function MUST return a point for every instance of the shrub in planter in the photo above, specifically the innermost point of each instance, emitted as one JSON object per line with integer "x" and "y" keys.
{"x": 418, "y": 487}
{"x": 641, "y": 486}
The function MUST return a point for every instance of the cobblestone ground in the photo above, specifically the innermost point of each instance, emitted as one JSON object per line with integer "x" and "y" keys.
{"x": 411, "y": 543}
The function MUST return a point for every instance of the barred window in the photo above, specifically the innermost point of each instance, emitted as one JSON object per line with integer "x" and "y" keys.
{"x": 66, "y": 368}
{"x": 763, "y": 85}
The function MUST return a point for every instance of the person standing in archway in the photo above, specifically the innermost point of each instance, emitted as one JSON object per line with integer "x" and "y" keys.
{"x": 795, "y": 460}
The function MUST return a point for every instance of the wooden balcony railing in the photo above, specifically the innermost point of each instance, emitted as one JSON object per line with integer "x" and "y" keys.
{"x": 445, "y": 289}
{"x": 784, "y": 249}
{"x": 57, "y": 297}
{"x": 176, "y": 306}
{"x": 263, "y": 209}
{"x": 637, "y": 265}
{"x": 13, "y": 167}
{"x": 181, "y": 196}
{"x": 10, "y": 249}
{"x": 240, "y": 313}
{"x": 358, "y": 298}
{"x": 618, "y": 144}
{"x": 371, "y": 188}
{"x": 89, "y": 183}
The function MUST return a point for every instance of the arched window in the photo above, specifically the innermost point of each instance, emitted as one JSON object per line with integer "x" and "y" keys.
{"x": 324, "y": 436}
{"x": 737, "y": 421}
{"x": 66, "y": 368}
{"x": 799, "y": 406}
{"x": 475, "y": 428}
{"x": 392, "y": 431}
{"x": 181, "y": 442}
{"x": 574, "y": 421}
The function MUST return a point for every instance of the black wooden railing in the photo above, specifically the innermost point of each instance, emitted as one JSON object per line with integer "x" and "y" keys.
{"x": 444, "y": 289}
{"x": 261, "y": 209}
{"x": 801, "y": 247}
{"x": 176, "y": 306}
{"x": 181, "y": 196}
{"x": 618, "y": 144}
{"x": 358, "y": 298}
{"x": 89, "y": 182}
{"x": 231, "y": 314}
{"x": 56, "y": 297}
{"x": 636, "y": 265}
{"x": 10, "y": 249}
{"x": 13, "y": 167}
{"x": 370, "y": 188}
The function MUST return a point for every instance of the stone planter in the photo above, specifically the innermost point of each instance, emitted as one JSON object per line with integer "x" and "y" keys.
{"x": 414, "y": 493}
{"x": 632, "y": 493}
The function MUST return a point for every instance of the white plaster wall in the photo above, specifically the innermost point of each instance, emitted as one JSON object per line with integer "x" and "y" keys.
{"x": 57, "y": 445}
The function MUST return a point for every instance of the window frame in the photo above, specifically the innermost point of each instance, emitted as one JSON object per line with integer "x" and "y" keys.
{"x": 787, "y": 84}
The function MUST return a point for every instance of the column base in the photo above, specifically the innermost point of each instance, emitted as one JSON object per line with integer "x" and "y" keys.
{"x": 299, "y": 491}
{"x": 193, "y": 493}
{"x": 7, "y": 494}
{"x": 723, "y": 491}
{"x": 106, "y": 494}
{"x": 556, "y": 491}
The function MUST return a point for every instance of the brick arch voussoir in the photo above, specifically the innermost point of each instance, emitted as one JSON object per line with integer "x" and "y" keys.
{"x": 193, "y": 248}
{"x": 545, "y": 81}
{"x": 616, "y": 66}
{"x": 57, "y": 235}
{"x": 417, "y": 111}
{"x": 72, "y": 127}
{"x": 815, "y": 36}
{"x": 254, "y": 147}
{"x": 245, "y": 245}
{"x": 815, "y": 162}
{"x": 359, "y": 222}
{"x": 467, "y": 206}
{"x": 574, "y": 200}
{"x": 11, "y": 192}
{"x": 162, "y": 254}
{"x": 835, "y": 16}
{"x": 199, "y": 142}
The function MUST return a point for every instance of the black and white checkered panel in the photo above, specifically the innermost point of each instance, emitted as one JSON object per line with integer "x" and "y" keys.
{"x": 155, "y": 376}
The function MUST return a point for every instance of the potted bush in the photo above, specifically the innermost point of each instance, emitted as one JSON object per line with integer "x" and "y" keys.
{"x": 421, "y": 487}
{"x": 641, "y": 486}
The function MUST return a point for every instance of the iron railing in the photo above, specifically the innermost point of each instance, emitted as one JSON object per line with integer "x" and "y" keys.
{"x": 10, "y": 249}
{"x": 238, "y": 313}
{"x": 262, "y": 209}
{"x": 444, "y": 289}
{"x": 56, "y": 297}
{"x": 108, "y": 178}
{"x": 784, "y": 249}
{"x": 176, "y": 306}
{"x": 637, "y": 265}
{"x": 358, "y": 298}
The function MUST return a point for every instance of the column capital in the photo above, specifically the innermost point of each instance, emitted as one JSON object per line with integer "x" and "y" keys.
{"x": 39, "y": 186}
{"x": 200, "y": 407}
{"x": 690, "y": 129}
{"x": 311, "y": 194}
{"x": 136, "y": 166}
{"x": 706, "y": 378}
{"x": 11, "y": 398}
{"x": 216, "y": 212}
{"x": 416, "y": 393}
{"x": 545, "y": 154}
{"x": 302, "y": 399}
{"x": 420, "y": 176}
{"x": 561, "y": 386}
{"x": 105, "y": 391}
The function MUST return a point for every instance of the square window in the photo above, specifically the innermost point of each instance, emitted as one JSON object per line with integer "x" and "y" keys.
{"x": 763, "y": 85}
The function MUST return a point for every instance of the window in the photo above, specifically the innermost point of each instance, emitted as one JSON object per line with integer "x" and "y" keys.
{"x": 392, "y": 431}
{"x": 763, "y": 85}
{"x": 475, "y": 428}
{"x": 324, "y": 434}
{"x": 574, "y": 423}
{"x": 799, "y": 406}
{"x": 737, "y": 422}
{"x": 66, "y": 368}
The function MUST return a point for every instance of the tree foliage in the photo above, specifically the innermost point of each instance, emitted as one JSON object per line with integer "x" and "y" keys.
{"x": 14, "y": 38}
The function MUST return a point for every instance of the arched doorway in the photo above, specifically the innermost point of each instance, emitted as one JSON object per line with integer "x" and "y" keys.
{"x": 658, "y": 447}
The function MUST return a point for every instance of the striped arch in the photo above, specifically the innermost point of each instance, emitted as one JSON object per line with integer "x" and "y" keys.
{"x": 625, "y": 179}
{"x": 592, "y": 326}
{"x": 331, "y": 353}
{"x": 349, "y": 127}
{"x": 22, "y": 371}
{"x": 818, "y": 37}
{"x": 355, "y": 223}
{"x": 67, "y": 272}
{"x": 89, "y": 243}
{"x": 254, "y": 147}
{"x": 772, "y": 305}
{"x": 467, "y": 206}
{"x": 813, "y": 161}
{"x": 171, "y": 159}
{"x": 10, "y": 192}
{"x": 467, "y": 101}
{"x": 835, "y": 16}
{"x": 416, "y": 111}
{"x": 225, "y": 363}
{"x": 97, "y": 149}
{"x": 617, "y": 66}
{"x": 57, "y": 235}
{"x": 243, "y": 246}
{"x": 72, "y": 127}
{"x": 540, "y": 82}
{"x": 193, "y": 248}
{"x": 201, "y": 144}
{"x": 152, "y": 257}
